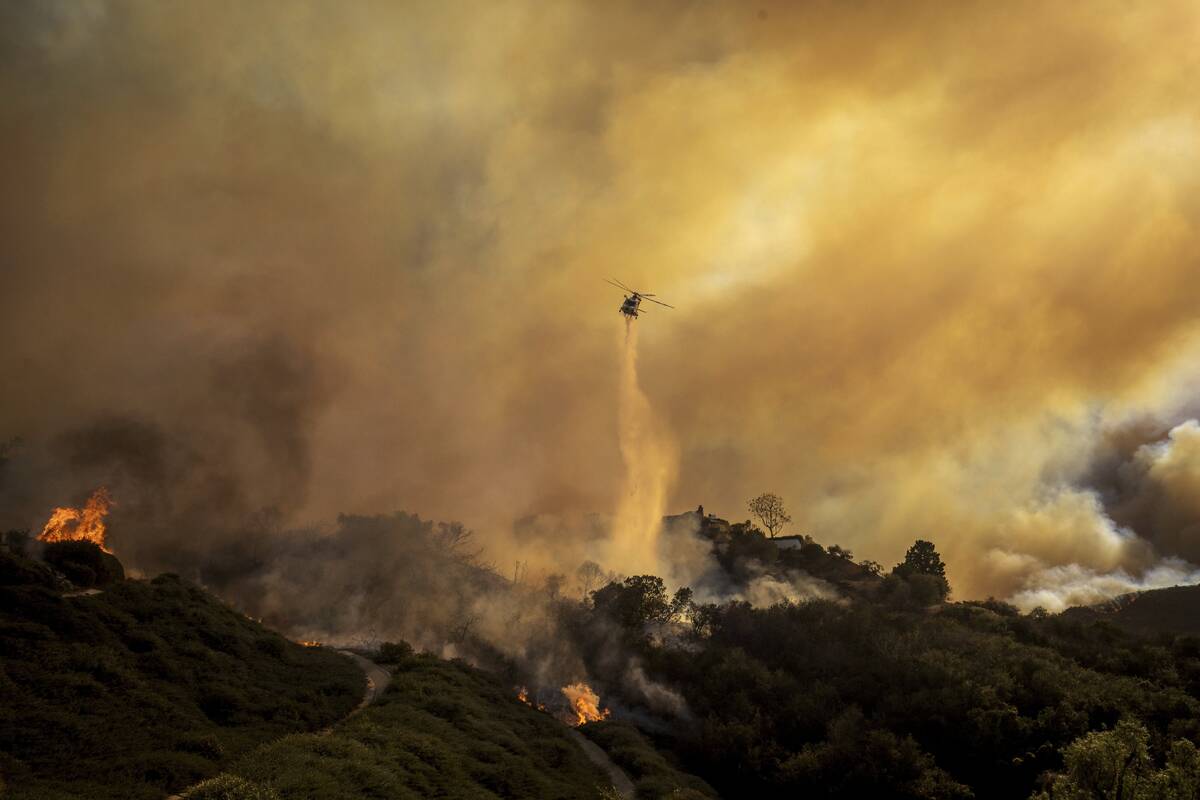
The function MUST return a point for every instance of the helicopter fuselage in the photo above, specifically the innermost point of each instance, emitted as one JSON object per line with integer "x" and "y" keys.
{"x": 631, "y": 306}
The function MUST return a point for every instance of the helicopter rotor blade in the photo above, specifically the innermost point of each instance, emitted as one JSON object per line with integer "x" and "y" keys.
{"x": 660, "y": 302}
{"x": 623, "y": 286}
{"x": 618, "y": 285}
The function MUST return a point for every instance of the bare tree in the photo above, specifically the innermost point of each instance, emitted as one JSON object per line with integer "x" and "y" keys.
{"x": 590, "y": 576}
{"x": 769, "y": 511}
{"x": 455, "y": 538}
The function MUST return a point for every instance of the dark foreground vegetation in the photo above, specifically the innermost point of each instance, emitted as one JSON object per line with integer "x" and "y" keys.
{"x": 890, "y": 692}
{"x": 870, "y": 684}
{"x": 654, "y": 774}
{"x": 443, "y": 729}
{"x": 145, "y": 687}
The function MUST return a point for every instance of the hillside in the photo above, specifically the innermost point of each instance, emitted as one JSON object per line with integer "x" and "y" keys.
{"x": 443, "y": 729}
{"x": 145, "y": 687}
{"x": 884, "y": 691}
{"x": 1174, "y": 610}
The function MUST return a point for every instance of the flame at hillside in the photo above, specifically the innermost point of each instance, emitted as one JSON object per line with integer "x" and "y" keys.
{"x": 80, "y": 524}
{"x": 523, "y": 696}
{"x": 650, "y": 465}
{"x": 585, "y": 704}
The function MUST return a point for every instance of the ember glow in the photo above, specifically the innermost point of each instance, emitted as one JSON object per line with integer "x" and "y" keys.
{"x": 523, "y": 696}
{"x": 585, "y": 704}
{"x": 308, "y": 643}
{"x": 80, "y": 524}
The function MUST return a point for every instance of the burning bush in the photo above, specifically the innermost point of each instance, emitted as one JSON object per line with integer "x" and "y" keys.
{"x": 84, "y": 563}
{"x": 80, "y": 524}
{"x": 585, "y": 705}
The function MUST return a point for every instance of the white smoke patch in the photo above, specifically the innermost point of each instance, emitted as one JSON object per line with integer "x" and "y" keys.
{"x": 651, "y": 461}
{"x": 1060, "y": 587}
{"x": 686, "y": 557}
{"x": 656, "y": 696}
{"x": 765, "y": 589}
{"x": 1066, "y": 550}
{"x": 795, "y": 587}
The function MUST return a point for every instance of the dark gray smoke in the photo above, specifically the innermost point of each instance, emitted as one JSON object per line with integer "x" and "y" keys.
{"x": 1147, "y": 475}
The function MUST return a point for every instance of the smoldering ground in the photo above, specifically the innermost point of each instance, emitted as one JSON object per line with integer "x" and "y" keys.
{"x": 923, "y": 264}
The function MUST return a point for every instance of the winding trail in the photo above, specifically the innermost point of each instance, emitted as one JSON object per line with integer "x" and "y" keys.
{"x": 597, "y": 756}
{"x": 378, "y": 679}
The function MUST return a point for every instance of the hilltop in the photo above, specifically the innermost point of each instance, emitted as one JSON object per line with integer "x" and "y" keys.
{"x": 884, "y": 688}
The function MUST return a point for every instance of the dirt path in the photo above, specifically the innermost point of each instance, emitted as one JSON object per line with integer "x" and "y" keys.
{"x": 620, "y": 780}
{"x": 378, "y": 679}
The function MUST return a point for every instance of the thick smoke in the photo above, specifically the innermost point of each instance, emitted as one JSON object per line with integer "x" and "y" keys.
{"x": 280, "y": 261}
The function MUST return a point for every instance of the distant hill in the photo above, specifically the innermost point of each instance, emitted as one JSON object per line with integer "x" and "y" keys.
{"x": 1175, "y": 610}
{"x": 144, "y": 687}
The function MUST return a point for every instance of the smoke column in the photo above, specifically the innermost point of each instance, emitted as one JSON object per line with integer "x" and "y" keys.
{"x": 650, "y": 459}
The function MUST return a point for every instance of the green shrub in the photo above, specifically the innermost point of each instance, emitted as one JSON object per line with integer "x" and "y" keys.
{"x": 230, "y": 787}
{"x": 652, "y": 775}
{"x": 395, "y": 652}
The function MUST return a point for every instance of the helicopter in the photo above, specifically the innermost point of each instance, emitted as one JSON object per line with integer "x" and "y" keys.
{"x": 631, "y": 306}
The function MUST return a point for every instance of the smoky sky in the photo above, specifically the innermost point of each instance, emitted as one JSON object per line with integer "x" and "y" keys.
{"x": 350, "y": 258}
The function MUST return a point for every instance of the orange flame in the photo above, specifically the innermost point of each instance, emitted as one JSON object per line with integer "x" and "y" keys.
{"x": 75, "y": 524}
{"x": 584, "y": 703}
{"x": 523, "y": 696}
{"x": 310, "y": 643}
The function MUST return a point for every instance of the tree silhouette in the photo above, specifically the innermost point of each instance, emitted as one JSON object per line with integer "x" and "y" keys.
{"x": 769, "y": 511}
{"x": 925, "y": 571}
{"x": 922, "y": 558}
